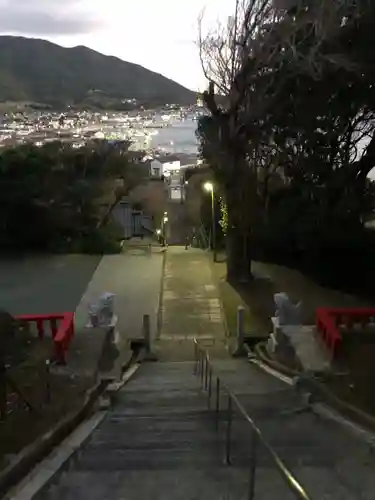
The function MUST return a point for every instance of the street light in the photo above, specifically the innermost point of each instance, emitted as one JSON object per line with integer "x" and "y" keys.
{"x": 163, "y": 232}
{"x": 209, "y": 187}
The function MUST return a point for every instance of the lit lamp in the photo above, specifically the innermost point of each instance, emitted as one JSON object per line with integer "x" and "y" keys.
{"x": 209, "y": 187}
{"x": 164, "y": 221}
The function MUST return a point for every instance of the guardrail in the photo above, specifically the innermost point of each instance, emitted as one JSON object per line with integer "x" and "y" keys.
{"x": 60, "y": 326}
{"x": 209, "y": 380}
{"x": 328, "y": 321}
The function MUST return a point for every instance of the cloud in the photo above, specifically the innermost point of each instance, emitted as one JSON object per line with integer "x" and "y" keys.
{"x": 46, "y": 17}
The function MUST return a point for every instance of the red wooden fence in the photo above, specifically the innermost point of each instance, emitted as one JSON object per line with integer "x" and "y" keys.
{"x": 329, "y": 320}
{"x": 60, "y": 326}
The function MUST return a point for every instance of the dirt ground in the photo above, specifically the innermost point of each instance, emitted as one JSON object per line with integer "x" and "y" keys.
{"x": 269, "y": 279}
{"x": 50, "y": 396}
{"x": 354, "y": 368}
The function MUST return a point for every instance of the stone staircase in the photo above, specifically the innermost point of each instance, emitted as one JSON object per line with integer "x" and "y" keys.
{"x": 160, "y": 442}
{"x": 177, "y": 228}
{"x": 327, "y": 460}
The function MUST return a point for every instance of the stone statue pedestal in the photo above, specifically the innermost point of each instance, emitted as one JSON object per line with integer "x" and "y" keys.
{"x": 287, "y": 312}
{"x": 101, "y": 313}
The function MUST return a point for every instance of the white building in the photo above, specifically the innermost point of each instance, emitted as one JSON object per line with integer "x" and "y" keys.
{"x": 175, "y": 188}
{"x": 165, "y": 166}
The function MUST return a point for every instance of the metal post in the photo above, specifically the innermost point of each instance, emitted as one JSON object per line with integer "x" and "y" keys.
{"x": 206, "y": 373}
{"x": 48, "y": 382}
{"x": 209, "y": 388}
{"x": 149, "y": 356}
{"x": 240, "y": 350}
{"x": 195, "y": 358}
{"x": 213, "y": 224}
{"x": 229, "y": 431}
{"x": 253, "y": 465}
{"x": 217, "y": 409}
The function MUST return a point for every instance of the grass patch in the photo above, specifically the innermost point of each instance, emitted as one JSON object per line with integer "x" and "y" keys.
{"x": 231, "y": 299}
{"x": 354, "y": 372}
{"x": 21, "y": 425}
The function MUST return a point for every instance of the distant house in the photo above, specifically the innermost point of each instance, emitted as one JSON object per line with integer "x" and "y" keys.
{"x": 165, "y": 166}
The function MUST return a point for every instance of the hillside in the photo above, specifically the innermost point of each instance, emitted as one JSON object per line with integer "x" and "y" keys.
{"x": 40, "y": 71}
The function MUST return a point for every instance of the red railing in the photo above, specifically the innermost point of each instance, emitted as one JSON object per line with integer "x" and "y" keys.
{"x": 60, "y": 326}
{"x": 330, "y": 320}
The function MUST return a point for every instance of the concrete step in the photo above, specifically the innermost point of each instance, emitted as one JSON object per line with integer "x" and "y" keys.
{"x": 182, "y": 349}
{"x": 326, "y": 459}
{"x": 160, "y": 442}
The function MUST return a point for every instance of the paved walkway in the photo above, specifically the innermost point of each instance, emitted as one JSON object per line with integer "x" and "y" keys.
{"x": 135, "y": 279}
{"x": 191, "y": 306}
{"x": 44, "y": 284}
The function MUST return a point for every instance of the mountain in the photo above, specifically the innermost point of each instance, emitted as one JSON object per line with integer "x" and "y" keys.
{"x": 41, "y": 71}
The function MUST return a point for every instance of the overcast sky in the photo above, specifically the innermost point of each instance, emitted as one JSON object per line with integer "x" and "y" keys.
{"x": 158, "y": 34}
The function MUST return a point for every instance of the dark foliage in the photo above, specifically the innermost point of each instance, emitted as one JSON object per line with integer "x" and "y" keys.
{"x": 57, "y": 198}
{"x": 293, "y": 147}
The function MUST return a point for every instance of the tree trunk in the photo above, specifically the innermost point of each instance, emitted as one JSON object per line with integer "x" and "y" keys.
{"x": 3, "y": 390}
{"x": 238, "y": 244}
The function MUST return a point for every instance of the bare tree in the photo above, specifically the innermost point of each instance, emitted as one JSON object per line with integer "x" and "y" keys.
{"x": 252, "y": 60}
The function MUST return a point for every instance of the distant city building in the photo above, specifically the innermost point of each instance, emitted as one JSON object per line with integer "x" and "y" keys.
{"x": 164, "y": 166}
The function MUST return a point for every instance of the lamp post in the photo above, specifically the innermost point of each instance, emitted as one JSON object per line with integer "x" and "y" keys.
{"x": 164, "y": 222}
{"x": 209, "y": 187}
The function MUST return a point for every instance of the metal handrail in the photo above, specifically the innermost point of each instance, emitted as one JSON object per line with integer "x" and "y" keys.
{"x": 203, "y": 368}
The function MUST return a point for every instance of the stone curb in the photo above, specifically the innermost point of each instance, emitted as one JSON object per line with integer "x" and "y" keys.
{"x": 327, "y": 397}
{"x": 276, "y": 365}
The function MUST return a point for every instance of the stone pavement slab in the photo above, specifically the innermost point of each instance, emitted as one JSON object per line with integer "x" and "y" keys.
{"x": 191, "y": 306}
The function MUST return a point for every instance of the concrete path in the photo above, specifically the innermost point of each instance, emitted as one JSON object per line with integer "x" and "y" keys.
{"x": 59, "y": 283}
{"x": 135, "y": 279}
{"x": 45, "y": 284}
{"x": 191, "y": 305}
